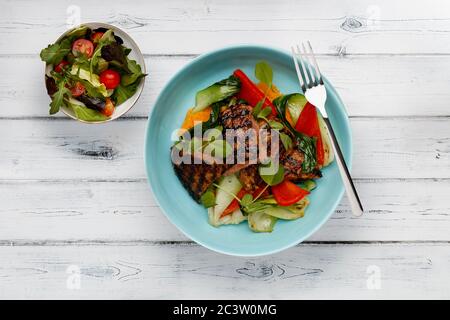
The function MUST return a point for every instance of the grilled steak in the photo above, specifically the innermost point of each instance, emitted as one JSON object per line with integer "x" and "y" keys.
{"x": 292, "y": 162}
{"x": 250, "y": 178}
{"x": 197, "y": 177}
{"x": 240, "y": 119}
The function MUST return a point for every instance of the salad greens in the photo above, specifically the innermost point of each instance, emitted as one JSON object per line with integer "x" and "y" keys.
{"x": 89, "y": 72}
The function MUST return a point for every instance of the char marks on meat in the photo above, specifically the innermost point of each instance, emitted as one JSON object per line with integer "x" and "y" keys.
{"x": 240, "y": 119}
{"x": 198, "y": 177}
{"x": 292, "y": 162}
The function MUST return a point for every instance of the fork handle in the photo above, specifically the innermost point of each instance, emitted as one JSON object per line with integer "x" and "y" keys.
{"x": 355, "y": 202}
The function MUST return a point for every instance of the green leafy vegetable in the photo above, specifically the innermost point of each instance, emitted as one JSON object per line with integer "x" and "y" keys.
{"x": 264, "y": 113}
{"x": 305, "y": 143}
{"x": 92, "y": 78}
{"x": 275, "y": 124}
{"x": 246, "y": 200}
{"x": 77, "y": 33}
{"x": 59, "y": 96}
{"x": 217, "y": 92}
{"x": 135, "y": 73}
{"x": 106, "y": 39}
{"x": 264, "y": 73}
{"x": 86, "y": 114}
{"x": 56, "y": 52}
{"x": 208, "y": 199}
{"x": 286, "y": 141}
{"x": 123, "y": 93}
{"x": 257, "y": 108}
{"x": 271, "y": 173}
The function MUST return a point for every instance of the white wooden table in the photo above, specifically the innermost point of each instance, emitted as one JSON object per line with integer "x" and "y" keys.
{"x": 77, "y": 219}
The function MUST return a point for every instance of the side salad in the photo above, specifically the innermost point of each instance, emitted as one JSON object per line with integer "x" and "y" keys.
{"x": 89, "y": 72}
{"x": 234, "y": 193}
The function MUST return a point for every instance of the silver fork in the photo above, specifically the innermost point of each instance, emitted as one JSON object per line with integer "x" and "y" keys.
{"x": 313, "y": 87}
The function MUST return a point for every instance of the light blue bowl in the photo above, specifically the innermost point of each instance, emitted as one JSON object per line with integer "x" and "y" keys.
{"x": 190, "y": 217}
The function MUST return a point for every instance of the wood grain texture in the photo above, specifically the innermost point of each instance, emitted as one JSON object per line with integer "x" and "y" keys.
{"x": 404, "y": 86}
{"x": 76, "y": 195}
{"x": 349, "y": 27}
{"x": 112, "y": 211}
{"x": 190, "y": 272}
{"x": 65, "y": 149}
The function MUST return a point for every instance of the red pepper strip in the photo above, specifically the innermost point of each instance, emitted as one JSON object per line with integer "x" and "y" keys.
{"x": 287, "y": 193}
{"x": 308, "y": 123}
{"x": 234, "y": 205}
{"x": 250, "y": 92}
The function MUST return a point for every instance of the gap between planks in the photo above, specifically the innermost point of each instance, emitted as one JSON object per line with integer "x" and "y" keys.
{"x": 179, "y": 243}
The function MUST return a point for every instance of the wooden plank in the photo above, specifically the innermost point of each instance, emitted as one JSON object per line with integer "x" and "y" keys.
{"x": 192, "y": 272}
{"x": 353, "y": 27}
{"x": 400, "y": 88}
{"x": 54, "y": 149}
{"x": 126, "y": 211}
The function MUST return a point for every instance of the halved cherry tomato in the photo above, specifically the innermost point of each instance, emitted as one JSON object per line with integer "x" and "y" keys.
{"x": 234, "y": 205}
{"x": 109, "y": 108}
{"x": 95, "y": 37}
{"x": 78, "y": 89}
{"x": 287, "y": 193}
{"x": 59, "y": 67}
{"x": 110, "y": 78}
{"x": 83, "y": 46}
{"x": 308, "y": 123}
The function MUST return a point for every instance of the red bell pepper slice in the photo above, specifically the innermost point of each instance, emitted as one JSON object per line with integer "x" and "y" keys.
{"x": 308, "y": 123}
{"x": 287, "y": 193}
{"x": 234, "y": 205}
{"x": 250, "y": 92}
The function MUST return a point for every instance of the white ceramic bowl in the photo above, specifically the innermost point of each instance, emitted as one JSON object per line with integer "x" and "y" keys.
{"x": 135, "y": 54}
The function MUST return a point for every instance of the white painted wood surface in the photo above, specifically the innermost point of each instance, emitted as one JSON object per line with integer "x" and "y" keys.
{"x": 75, "y": 196}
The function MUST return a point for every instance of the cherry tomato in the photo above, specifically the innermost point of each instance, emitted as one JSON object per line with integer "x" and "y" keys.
{"x": 59, "y": 67}
{"x": 83, "y": 46}
{"x": 109, "y": 108}
{"x": 78, "y": 89}
{"x": 95, "y": 37}
{"x": 110, "y": 78}
{"x": 287, "y": 193}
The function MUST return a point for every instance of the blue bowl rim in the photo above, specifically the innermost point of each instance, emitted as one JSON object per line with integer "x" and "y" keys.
{"x": 166, "y": 87}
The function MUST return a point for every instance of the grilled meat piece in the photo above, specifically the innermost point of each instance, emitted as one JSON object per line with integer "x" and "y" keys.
{"x": 239, "y": 118}
{"x": 292, "y": 162}
{"x": 198, "y": 177}
{"x": 250, "y": 178}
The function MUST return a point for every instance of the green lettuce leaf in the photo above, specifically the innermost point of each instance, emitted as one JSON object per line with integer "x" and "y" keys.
{"x": 54, "y": 53}
{"x": 86, "y": 114}
{"x": 134, "y": 75}
{"x": 58, "y": 97}
{"x": 123, "y": 93}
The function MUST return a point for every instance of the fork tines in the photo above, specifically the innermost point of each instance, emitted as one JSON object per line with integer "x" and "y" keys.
{"x": 307, "y": 76}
